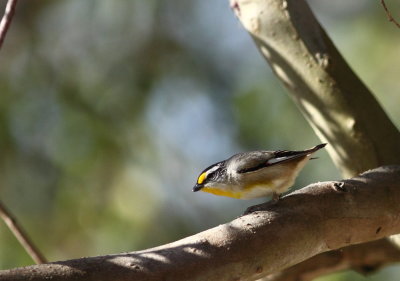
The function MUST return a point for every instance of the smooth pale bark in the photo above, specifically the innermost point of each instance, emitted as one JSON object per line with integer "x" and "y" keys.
{"x": 318, "y": 218}
{"x": 364, "y": 258}
{"x": 337, "y": 104}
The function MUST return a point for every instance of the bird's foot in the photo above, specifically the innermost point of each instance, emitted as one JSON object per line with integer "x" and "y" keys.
{"x": 263, "y": 206}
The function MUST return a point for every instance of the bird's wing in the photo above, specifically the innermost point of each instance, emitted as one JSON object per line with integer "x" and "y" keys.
{"x": 263, "y": 159}
{"x": 251, "y": 161}
{"x": 255, "y": 160}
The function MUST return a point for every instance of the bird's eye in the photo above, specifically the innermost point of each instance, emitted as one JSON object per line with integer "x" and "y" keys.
{"x": 207, "y": 174}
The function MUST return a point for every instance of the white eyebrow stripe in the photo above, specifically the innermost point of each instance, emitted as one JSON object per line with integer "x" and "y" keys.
{"x": 212, "y": 170}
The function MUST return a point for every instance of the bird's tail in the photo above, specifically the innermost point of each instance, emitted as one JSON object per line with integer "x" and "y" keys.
{"x": 287, "y": 155}
{"x": 315, "y": 148}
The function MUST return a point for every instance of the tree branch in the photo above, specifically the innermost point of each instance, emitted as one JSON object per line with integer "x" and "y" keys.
{"x": 21, "y": 235}
{"x": 389, "y": 15}
{"x": 365, "y": 258}
{"x": 6, "y": 215}
{"x": 337, "y": 104}
{"x": 318, "y": 218}
{"x": 6, "y": 20}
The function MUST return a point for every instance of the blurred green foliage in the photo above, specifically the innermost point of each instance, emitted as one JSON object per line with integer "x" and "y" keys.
{"x": 109, "y": 110}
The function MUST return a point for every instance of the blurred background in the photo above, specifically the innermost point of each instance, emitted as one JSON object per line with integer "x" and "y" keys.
{"x": 109, "y": 110}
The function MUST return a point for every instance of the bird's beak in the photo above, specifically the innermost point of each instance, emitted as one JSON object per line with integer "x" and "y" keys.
{"x": 197, "y": 187}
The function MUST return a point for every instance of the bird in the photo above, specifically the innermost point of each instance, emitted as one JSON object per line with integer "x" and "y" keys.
{"x": 255, "y": 174}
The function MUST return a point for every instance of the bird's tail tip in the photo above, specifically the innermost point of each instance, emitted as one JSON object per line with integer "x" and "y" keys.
{"x": 318, "y": 147}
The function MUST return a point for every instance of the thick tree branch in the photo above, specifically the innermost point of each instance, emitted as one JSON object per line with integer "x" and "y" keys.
{"x": 337, "y": 104}
{"x": 318, "y": 218}
{"x": 364, "y": 258}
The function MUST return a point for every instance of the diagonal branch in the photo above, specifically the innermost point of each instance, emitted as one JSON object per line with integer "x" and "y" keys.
{"x": 6, "y": 215}
{"x": 337, "y": 104}
{"x": 21, "y": 235}
{"x": 389, "y": 15}
{"x": 6, "y": 20}
{"x": 318, "y": 218}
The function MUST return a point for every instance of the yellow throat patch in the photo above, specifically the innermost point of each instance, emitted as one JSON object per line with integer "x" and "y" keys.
{"x": 221, "y": 192}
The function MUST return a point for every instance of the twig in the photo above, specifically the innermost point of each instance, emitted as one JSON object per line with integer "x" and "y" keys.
{"x": 8, "y": 218}
{"x": 6, "y": 20}
{"x": 21, "y": 235}
{"x": 389, "y": 15}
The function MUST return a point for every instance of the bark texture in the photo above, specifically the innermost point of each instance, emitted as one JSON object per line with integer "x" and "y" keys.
{"x": 337, "y": 104}
{"x": 318, "y": 218}
{"x": 365, "y": 259}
